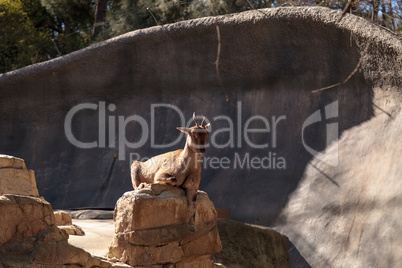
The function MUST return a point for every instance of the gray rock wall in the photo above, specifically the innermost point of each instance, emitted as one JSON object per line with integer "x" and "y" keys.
{"x": 270, "y": 61}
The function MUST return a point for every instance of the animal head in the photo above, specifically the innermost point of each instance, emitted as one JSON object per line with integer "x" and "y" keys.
{"x": 197, "y": 135}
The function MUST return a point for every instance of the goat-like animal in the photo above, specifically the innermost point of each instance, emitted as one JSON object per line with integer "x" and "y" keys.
{"x": 181, "y": 168}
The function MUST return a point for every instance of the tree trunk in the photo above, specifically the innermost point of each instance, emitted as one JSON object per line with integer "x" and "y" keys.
{"x": 384, "y": 19}
{"x": 376, "y": 7}
{"x": 100, "y": 16}
{"x": 391, "y": 14}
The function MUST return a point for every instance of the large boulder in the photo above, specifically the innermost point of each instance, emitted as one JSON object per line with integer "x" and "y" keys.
{"x": 351, "y": 215}
{"x": 29, "y": 237}
{"x": 245, "y": 245}
{"x": 15, "y": 178}
{"x": 151, "y": 228}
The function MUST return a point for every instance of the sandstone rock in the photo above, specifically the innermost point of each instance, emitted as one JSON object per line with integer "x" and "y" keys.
{"x": 245, "y": 245}
{"x": 63, "y": 221}
{"x": 62, "y": 218}
{"x": 151, "y": 229}
{"x": 72, "y": 229}
{"x": 8, "y": 161}
{"x": 15, "y": 178}
{"x": 23, "y": 217}
{"x": 29, "y": 237}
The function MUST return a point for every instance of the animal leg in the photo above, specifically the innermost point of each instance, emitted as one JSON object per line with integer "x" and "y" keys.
{"x": 135, "y": 174}
{"x": 191, "y": 195}
{"x": 165, "y": 178}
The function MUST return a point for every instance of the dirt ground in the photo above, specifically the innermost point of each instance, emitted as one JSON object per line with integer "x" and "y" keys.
{"x": 98, "y": 236}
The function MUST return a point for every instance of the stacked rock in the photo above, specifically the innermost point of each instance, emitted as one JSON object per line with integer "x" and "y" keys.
{"x": 15, "y": 178}
{"x": 65, "y": 222}
{"x": 29, "y": 236}
{"x": 151, "y": 229}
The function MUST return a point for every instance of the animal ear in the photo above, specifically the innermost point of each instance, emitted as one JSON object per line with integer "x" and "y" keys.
{"x": 207, "y": 126}
{"x": 184, "y": 129}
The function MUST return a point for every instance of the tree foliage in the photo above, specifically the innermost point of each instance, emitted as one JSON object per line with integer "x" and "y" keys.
{"x": 128, "y": 15}
{"x": 21, "y": 43}
{"x": 72, "y": 23}
{"x": 387, "y": 13}
{"x": 36, "y": 30}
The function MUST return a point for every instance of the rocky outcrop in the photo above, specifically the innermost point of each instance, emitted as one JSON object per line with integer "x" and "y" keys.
{"x": 350, "y": 215}
{"x": 15, "y": 178}
{"x": 62, "y": 218}
{"x": 29, "y": 237}
{"x": 245, "y": 245}
{"x": 72, "y": 229}
{"x": 64, "y": 222}
{"x": 151, "y": 228}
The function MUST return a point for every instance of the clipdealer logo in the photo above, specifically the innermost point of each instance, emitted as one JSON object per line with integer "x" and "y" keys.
{"x": 112, "y": 134}
{"x": 330, "y": 111}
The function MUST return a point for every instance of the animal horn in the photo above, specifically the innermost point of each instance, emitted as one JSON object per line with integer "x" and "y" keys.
{"x": 195, "y": 120}
{"x": 203, "y": 120}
